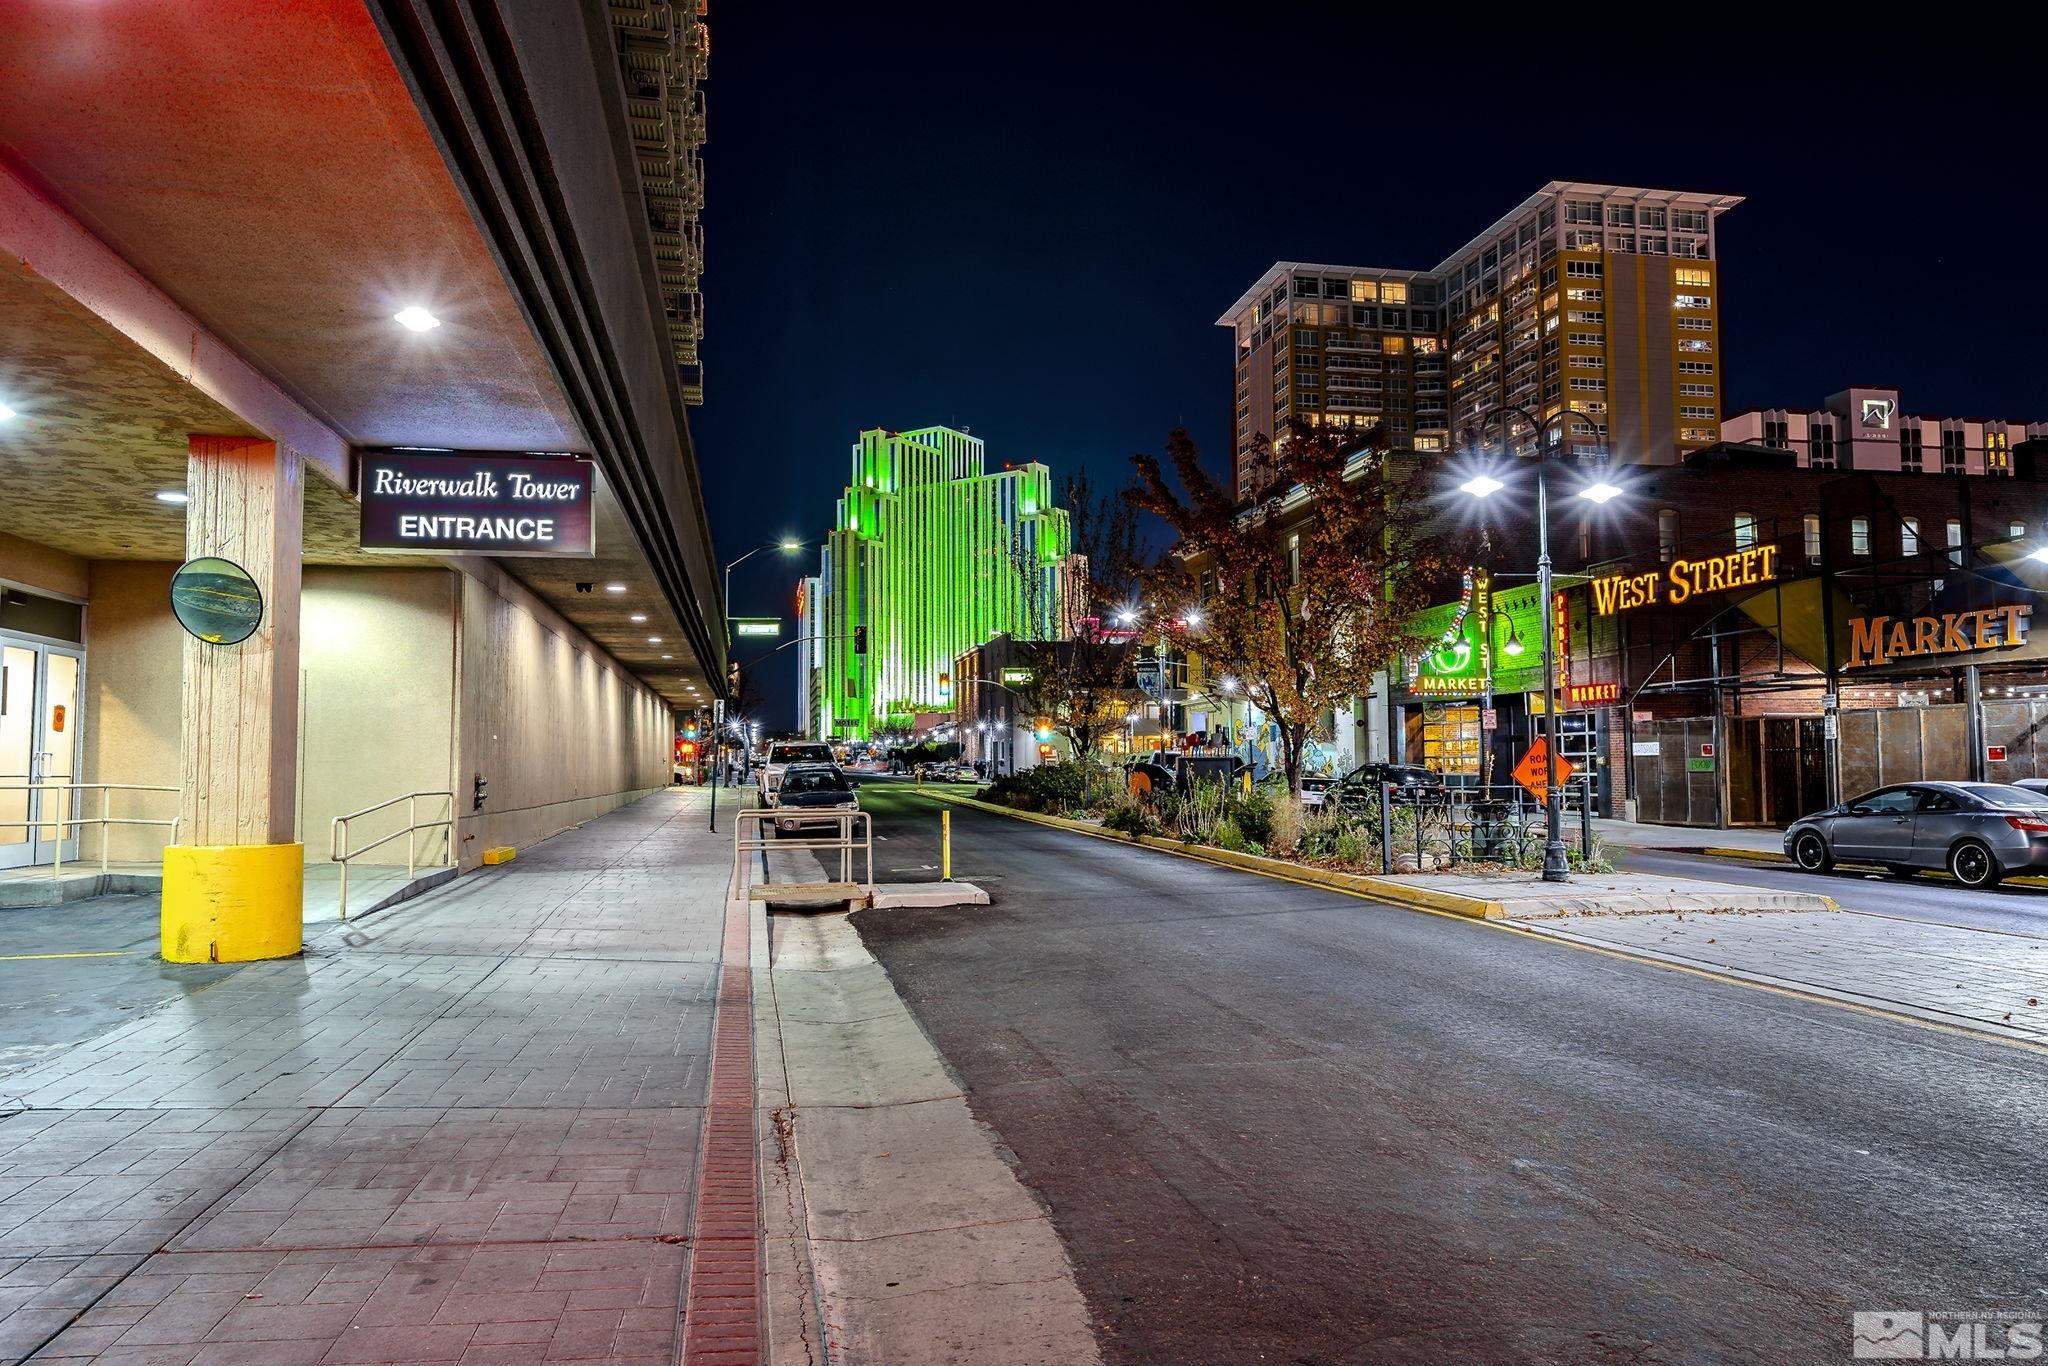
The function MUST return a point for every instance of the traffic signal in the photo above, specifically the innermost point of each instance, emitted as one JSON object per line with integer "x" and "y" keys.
{"x": 860, "y": 640}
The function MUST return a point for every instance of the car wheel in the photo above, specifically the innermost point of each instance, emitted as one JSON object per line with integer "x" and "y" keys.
{"x": 1900, "y": 869}
{"x": 1810, "y": 852}
{"x": 1973, "y": 865}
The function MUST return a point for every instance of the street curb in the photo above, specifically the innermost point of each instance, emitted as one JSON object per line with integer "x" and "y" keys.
{"x": 1381, "y": 889}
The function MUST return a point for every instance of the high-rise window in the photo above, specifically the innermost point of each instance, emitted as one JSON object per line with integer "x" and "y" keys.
{"x": 1688, "y": 278}
{"x": 1364, "y": 291}
{"x": 1821, "y": 446}
{"x": 1393, "y": 292}
{"x": 1909, "y": 447}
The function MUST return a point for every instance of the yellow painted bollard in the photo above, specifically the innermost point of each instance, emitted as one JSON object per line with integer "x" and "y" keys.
{"x": 945, "y": 846}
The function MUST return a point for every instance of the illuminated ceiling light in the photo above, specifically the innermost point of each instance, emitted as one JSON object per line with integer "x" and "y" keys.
{"x": 654, "y": 640}
{"x": 637, "y": 618}
{"x": 415, "y": 319}
{"x": 176, "y": 496}
{"x": 669, "y": 657}
{"x": 615, "y": 588}
{"x": 7, "y": 414}
{"x": 1600, "y": 492}
{"x": 1481, "y": 486}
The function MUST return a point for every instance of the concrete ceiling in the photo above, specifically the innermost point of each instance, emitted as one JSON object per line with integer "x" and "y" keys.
{"x": 264, "y": 166}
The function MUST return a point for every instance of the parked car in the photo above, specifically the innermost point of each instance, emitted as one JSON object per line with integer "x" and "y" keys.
{"x": 1363, "y": 784}
{"x": 1978, "y": 832}
{"x": 2039, "y": 785}
{"x": 812, "y": 794}
{"x": 784, "y": 753}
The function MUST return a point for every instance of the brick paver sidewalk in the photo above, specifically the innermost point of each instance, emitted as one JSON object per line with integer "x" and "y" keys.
{"x": 465, "y": 1129}
{"x": 1977, "y": 979}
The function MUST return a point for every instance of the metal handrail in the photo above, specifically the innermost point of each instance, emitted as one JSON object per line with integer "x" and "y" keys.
{"x": 845, "y": 844}
{"x": 103, "y": 820}
{"x": 340, "y": 852}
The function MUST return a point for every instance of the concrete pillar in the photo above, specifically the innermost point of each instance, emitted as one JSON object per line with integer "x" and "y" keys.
{"x": 233, "y": 881}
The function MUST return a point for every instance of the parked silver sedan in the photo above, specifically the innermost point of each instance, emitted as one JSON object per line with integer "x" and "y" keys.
{"x": 1978, "y": 832}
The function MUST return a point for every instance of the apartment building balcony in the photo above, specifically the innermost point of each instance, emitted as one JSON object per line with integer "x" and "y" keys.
{"x": 1337, "y": 341}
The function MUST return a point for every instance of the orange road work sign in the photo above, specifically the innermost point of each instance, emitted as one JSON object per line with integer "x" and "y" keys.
{"x": 1530, "y": 772}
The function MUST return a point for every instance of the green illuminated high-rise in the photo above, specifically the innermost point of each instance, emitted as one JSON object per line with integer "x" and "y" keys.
{"x": 930, "y": 556}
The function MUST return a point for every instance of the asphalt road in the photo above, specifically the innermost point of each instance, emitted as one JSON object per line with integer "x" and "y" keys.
{"x": 1274, "y": 1123}
{"x": 2014, "y": 908}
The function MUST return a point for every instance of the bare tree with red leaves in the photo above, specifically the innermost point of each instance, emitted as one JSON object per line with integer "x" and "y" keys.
{"x": 1304, "y": 603}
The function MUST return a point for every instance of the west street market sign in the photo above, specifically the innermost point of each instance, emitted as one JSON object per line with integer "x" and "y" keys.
{"x": 475, "y": 503}
{"x": 1684, "y": 579}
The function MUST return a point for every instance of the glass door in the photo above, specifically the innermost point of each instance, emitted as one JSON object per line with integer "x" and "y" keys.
{"x": 39, "y": 743}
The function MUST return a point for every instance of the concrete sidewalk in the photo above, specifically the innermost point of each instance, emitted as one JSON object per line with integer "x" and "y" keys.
{"x": 1640, "y": 835}
{"x": 466, "y": 1129}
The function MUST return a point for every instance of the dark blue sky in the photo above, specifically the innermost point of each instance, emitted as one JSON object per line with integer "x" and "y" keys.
{"x": 1027, "y": 225}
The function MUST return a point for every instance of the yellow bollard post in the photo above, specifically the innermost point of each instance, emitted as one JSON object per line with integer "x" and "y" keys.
{"x": 945, "y": 846}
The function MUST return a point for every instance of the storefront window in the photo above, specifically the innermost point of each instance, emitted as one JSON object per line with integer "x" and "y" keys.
{"x": 1450, "y": 740}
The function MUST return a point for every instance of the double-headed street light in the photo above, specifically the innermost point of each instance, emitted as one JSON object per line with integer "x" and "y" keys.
{"x": 1556, "y": 868}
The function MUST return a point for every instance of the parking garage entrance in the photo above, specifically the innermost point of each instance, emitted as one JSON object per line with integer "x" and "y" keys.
{"x": 42, "y": 672}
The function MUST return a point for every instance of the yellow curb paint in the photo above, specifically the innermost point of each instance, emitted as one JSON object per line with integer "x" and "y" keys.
{"x": 503, "y": 853}
{"x": 234, "y": 903}
{"x": 38, "y": 957}
{"x": 1527, "y": 932}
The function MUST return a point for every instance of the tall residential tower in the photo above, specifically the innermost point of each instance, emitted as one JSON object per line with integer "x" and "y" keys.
{"x": 1598, "y": 299}
{"x": 930, "y": 556}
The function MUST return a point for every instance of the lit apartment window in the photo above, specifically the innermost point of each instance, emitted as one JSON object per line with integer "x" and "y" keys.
{"x": 1694, "y": 344}
{"x": 1692, "y": 301}
{"x": 1859, "y": 535}
{"x": 1585, "y": 296}
{"x": 1686, "y": 277}
{"x": 1667, "y": 533}
{"x": 1365, "y": 291}
{"x": 1909, "y": 536}
{"x": 1745, "y": 530}
{"x": 1811, "y": 525}
{"x": 1955, "y": 542}
{"x": 1393, "y": 292}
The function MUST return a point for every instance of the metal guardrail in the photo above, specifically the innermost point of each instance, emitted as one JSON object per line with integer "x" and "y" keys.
{"x": 845, "y": 844}
{"x": 103, "y": 820}
{"x": 342, "y": 854}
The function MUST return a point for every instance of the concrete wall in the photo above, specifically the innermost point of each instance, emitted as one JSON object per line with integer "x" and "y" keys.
{"x": 399, "y": 666}
{"x": 133, "y": 675}
{"x": 38, "y": 566}
{"x": 376, "y": 703}
{"x": 556, "y": 727}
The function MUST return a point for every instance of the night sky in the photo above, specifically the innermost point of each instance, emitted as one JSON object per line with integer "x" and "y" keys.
{"x": 917, "y": 216}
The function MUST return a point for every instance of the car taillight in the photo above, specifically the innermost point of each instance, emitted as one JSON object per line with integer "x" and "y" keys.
{"x": 2031, "y": 824}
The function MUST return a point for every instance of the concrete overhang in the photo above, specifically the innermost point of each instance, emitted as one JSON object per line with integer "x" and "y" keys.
{"x": 212, "y": 208}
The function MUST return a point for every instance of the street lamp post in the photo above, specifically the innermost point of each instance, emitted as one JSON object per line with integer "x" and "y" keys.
{"x": 788, "y": 545}
{"x": 1556, "y": 867}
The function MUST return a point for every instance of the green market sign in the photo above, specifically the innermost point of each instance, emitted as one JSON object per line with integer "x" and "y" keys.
{"x": 757, "y": 626}
{"x": 1014, "y": 675}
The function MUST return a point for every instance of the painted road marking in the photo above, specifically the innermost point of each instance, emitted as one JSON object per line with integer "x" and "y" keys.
{"x": 34, "y": 957}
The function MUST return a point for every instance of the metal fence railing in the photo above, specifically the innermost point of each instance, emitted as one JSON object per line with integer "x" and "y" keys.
{"x": 342, "y": 854}
{"x": 1445, "y": 827}
{"x": 845, "y": 842}
{"x": 66, "y": 793}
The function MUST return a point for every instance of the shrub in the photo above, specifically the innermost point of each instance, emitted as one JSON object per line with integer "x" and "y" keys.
{"x": 1283, "y": 832}
{"x": 1348, "y": 849}
{"x": 1048, "y": 787}
{"x": 1226, "y": 835}
{"x": 1252, "y": 814}
{"x": 1129, "y": 819}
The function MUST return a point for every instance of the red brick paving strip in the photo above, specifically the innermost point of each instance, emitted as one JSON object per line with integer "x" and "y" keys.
{"x": 722, "y": 1321}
